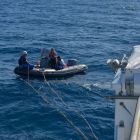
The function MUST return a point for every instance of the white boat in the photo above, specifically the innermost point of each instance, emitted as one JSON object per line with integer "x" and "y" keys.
{"x": 126, "y": 84}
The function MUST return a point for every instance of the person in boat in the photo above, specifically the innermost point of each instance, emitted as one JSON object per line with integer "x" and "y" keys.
{"x": 52, "y": 58}
{"x": 60, "y": 63}
{"x": 23, "y": 62}
{"x": 44, "y": 58}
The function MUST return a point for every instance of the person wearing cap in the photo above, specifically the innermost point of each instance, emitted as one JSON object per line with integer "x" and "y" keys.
{"x": 23, "y": 63}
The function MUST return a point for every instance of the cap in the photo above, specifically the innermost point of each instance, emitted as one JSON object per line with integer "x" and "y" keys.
{"x": 24, "y": 53}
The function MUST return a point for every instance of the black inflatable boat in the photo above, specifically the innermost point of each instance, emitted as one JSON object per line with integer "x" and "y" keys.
{"x": 52, "y": 73}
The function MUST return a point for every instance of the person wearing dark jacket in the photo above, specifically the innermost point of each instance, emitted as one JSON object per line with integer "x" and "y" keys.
{"x": 60, "y": 63}
{"x": 23, "y": 63}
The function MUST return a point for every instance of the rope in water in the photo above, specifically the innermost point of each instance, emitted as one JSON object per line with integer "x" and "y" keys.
{"x": 77, "y": 112}
{"x": 28, "y": 73}
{"x": 52, "y": 88}
{"x": 60, "y": 112}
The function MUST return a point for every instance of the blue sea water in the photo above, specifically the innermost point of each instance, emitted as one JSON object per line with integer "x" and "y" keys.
{"x": 88, "y": 30}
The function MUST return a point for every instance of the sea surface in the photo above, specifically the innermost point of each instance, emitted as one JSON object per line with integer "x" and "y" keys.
{"x": 74, "y": 108}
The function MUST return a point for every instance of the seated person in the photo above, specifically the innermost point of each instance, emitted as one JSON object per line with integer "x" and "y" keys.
{"x": 52, "y": 58}
{"x": 44, "y": 59}
{"x": 60, "y": 63}
{"x": 23, "y": 63}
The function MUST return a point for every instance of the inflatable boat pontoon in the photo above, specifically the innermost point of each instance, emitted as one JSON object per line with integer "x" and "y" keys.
{"x": 52, "y": 73}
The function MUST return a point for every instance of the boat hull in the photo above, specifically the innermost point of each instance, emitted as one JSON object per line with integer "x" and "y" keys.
{"x": 51, "y": 73}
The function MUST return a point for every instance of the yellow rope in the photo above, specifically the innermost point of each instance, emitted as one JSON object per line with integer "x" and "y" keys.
{"x": 52, "y": 89}
{"x": 28, "y": 73}
{"x": 84, "y": 137}
{"x": 60, "y": 112}
{"x": 77, "y": 112}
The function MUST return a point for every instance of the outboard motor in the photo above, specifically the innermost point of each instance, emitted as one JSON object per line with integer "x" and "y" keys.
{"x": 72, "y": 62}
